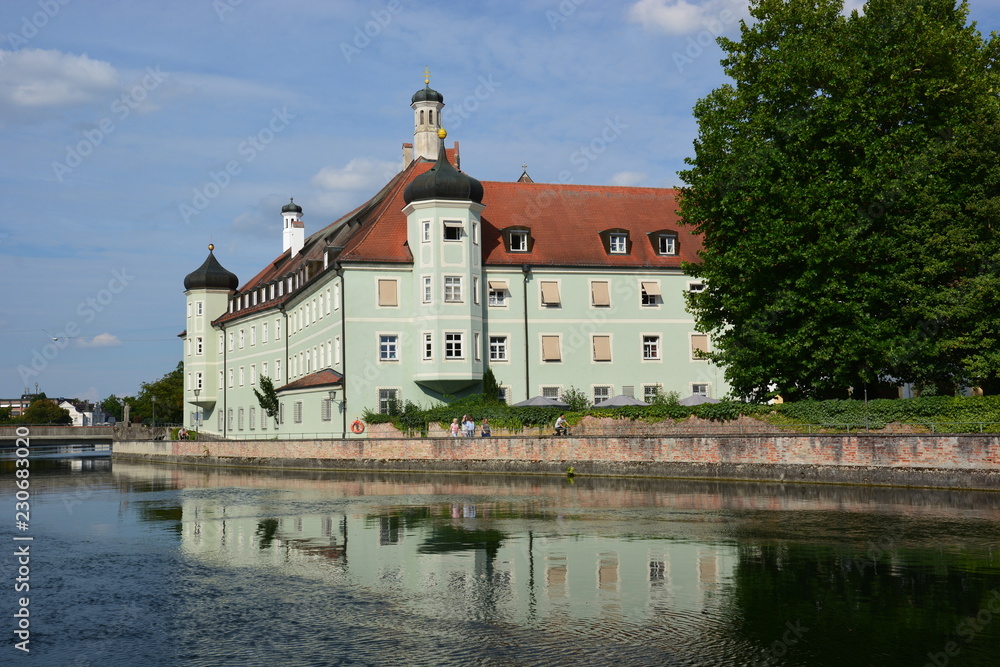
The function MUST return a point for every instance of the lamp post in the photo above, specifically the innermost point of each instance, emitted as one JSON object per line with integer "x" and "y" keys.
{"x": 153, "y": 398}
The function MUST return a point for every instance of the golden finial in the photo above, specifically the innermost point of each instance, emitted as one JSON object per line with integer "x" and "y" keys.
{"x": 442, "y": 133}
{"x": 211, "y": 247}
{"x": 427, "y": 76}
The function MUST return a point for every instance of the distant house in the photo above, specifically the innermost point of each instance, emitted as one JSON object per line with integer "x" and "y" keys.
{"x": 84, "y": 413}
{"x": 438, "y": 277}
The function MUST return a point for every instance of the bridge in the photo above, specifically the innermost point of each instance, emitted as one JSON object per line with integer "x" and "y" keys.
{"x": 57, "y": 435}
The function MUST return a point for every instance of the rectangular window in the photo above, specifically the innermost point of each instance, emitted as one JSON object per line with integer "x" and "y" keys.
{"x": 222, "y": 342}
{"x": 475, "y": 290}
{"x": 629, "y": 390}
{"x": 600, "y": 295}
{"x": 298, "y": 412}
{"x": 252, "y": 421}
{"x": 453, "y": 289}
{"x": 425, "y": 231}
{"x": 263, "y": 369}
{"x": 519, "y": 241}
{"x": 453, "y": 230}
{"x": 198, "y": 380}
{"x": 240, "y": 417}
{"x": 232, "y": 375}
{"x": 453, "y": 343}
{"x": 650, "y": 392}
{"x": 601, "y": 393}
{"x": 650, "y": 293}
{"x": 694, "y": 288}
{"x": 253, "y": 335}
{"x": 336, "y": 296}
{"x": 477, "y": 346}
{"x": 550, "y": 392}
{"x": 388, "y": 400}
{"x": 388, "y": 347}
{"x": 699, "y": 346}
{"x": 263, "y": 420}
{"x": 475, "y": 232}
{"x": 253, "y": 374}
{"x": 387, "y": 293}
{"x": 602, "y": 348}
{"x": 199, "y": 308}
{"x": 327, "y": 410}
{"x": 242, "y": 376}
{"x": 427, "y": 293}
{"x": 222, "y": 424}
{"x": 281, "y": 413}
{"x": 428, "y": 346}
{"x": 667, "y": 244}
{"x": 498, "y": 348}
{"x": 242, "y": 338}
{"x": 277, "y": 330}
{"x": 229, "y": 419}
{"x": 699, "y": 389}
{"x": 263, "y": 332}
{"x": 550, "y": 293}
{"x": 277, "y": 370}
{"x": 550, "y": 348}
{"x": 336, "y": 350}
{"x": 619, "y": 244}
{"x": 199, "y": 345}
{"x": 221, "y": 380}
{"x": 232, "y": 337}
{"x": 650, "y": 347}
{"x": 497, "y": 292}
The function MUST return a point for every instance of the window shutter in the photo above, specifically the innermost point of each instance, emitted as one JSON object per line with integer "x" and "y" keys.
{"x": 550, "y": 348}
{"x": 387, "y": 293}
{"x": 600, "y": 294}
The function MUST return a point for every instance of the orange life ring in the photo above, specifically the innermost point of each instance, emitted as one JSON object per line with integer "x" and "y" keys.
{"x": 358, "y": 426}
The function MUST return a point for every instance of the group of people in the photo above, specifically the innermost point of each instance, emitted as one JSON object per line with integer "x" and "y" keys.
{"x": 468, "y": 427}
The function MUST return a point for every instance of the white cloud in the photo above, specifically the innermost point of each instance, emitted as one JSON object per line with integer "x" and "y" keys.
{"x": 679, "y": 17}
{"x": 101, "y": 340}
{"x": 34, "y": 79}
{"x": 359, "y": 174}
{"x": 628, "y": 178}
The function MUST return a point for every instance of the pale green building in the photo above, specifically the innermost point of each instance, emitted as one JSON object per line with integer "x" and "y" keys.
{"x": 414, "y": 294}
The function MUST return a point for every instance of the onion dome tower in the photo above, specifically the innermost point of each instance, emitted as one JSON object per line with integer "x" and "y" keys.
{"x": 293, "y": 233}
{"x": 426, "y": 104}
{"x": 443, "y": 181}
{"x": 208, "y": 289}
{"x": 211, "y": 276}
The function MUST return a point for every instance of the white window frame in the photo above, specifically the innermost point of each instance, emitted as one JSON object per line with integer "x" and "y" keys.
{"x": 708, "y": 345}
{"x": 618, "y": 243}
{"x": 593, "y": 392}
{"x": 427, "y": 290}
{"x": 427, "y": 346}
{"x": 696, "y": 389}
{"x": 454, "y": 345}
{"x": 453, "y": 224}
{"x": 390, "y": 394}
{"x": 658, "y": 343}
{"x": 666, "y": 244}
{"x": 498, "y": 348}
{"x": 425, "y": 231}
{"x": 388, "y": 347}
{"x": 522, "y": 242}
{"x": 453, "y": 289}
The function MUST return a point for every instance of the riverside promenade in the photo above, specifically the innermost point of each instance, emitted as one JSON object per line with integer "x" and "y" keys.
{"x": 954, "y": 461}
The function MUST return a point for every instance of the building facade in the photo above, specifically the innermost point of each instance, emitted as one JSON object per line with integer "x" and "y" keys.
{"x": 437, "y": 278}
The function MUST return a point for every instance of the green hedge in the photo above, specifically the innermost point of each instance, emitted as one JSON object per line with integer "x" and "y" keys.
{"x": 942, "y": 413}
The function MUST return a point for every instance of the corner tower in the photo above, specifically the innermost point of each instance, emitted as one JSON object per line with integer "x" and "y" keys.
{"x": 293, "y": 234}
{"x": 207, "y": 289}
{"x": 444, "y": 228}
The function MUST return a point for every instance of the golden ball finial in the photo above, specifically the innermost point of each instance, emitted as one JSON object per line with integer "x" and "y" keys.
{"x": 211, "y": 247}
{"x": 442, "y": 133}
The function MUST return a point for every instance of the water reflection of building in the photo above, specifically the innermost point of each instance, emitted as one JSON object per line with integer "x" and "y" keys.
{"x": 483, "y": 561}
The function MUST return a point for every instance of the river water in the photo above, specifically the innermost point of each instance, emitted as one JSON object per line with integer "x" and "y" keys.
{"x": 136, "y": 564}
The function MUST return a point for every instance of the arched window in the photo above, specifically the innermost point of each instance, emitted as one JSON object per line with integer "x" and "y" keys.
{"x": 421, "y": 116}
{"x": 430, "y": 116}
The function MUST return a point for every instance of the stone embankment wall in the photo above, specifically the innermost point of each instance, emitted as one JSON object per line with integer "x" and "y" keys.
{"x": 949, "y": 461}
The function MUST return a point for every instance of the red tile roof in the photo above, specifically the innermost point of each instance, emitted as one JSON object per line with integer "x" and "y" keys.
{"x": 323, "y": 378}
{"x": 565, "y": 223}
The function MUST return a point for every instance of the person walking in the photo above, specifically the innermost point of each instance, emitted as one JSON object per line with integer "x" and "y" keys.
{"x": 454, "y": 427}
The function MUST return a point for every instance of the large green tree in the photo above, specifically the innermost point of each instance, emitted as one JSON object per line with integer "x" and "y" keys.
{"x": 845, "y": 185}
{"x": 169, "y": 394}
{"x": 43, "y": 410}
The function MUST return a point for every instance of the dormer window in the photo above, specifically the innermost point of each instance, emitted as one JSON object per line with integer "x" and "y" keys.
{"x": 453, "y": 230}
{"x": 616, "y": 241}
{"x": 664, "y": 242}
{"x": 517, "y": 239}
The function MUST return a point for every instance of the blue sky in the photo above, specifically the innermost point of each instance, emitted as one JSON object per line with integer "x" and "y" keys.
{"x": 136, "y": 133}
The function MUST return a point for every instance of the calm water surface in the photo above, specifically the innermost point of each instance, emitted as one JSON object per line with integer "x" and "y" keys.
{"x": 157, "y": 565}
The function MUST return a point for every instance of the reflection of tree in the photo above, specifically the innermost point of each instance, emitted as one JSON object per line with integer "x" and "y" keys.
{"x": 172, "y": 515}
{"x": 266, "y": 530}
{"x": 444, "y": 539}
{"x": 858, "y": 610}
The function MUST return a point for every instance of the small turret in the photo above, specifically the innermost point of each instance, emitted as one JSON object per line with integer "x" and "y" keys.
{"x": 293, "y": 234}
